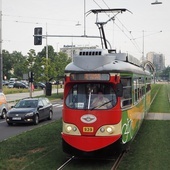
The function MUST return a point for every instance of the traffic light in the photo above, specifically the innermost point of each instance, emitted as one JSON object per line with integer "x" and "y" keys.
{"x": 38, "y": 36}
{"x": 31, "y": 77}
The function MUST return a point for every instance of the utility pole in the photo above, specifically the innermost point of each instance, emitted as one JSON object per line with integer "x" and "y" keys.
{"x": 46, "y": 51}
{"x": 46, "y": 43}
{"x": 143, "y": 52}
{"x": 84, "y": 17}
{"x": 1, "y": 58}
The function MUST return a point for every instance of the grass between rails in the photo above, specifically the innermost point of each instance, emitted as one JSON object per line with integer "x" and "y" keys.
{"x": 161, "y": 103}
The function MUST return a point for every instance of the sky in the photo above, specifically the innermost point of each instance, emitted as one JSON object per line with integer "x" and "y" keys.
{"x": 146, "y": 28}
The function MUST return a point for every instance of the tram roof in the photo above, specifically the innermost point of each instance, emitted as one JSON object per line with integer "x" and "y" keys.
{"x": 97, "y": 60}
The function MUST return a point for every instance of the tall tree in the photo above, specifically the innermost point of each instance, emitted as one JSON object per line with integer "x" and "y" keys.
{"x": 31, "y": 59}
{"x": 15, "y": 64}
{"x": 61, "y": 62}
{"x": 51, "y": 53}
{"x": 19, "y": 64}
{"x": 7, "y": 64}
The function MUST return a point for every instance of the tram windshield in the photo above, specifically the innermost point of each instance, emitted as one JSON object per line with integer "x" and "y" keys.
{"x": 91, "y": 96}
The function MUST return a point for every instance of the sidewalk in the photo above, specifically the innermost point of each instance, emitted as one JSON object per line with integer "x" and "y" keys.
{"x": 18, "y": 96}
{"x": 158, "y": 116}
{"x": 13, "y": 98}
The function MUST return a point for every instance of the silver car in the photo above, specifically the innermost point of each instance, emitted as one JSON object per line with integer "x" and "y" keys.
{"x": 3, "y": 105}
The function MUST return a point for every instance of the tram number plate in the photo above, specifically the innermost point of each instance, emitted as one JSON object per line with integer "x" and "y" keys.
{"x": 87, "y": 129}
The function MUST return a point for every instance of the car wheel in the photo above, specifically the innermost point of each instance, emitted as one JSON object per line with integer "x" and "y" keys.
{"x": 36, "y": 120}
{"x": 10, "y": 124}
{"x": 3, "y": 114}
{"x": 50, "y": 115}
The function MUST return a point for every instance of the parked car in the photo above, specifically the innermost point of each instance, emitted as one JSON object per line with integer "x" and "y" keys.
{"x": 5, "y": 83}
{"x": 30, "y": 110}
{"x": 25, "y": 82}
{"x": 19, "y": 85}
{"x": 3, "y": 105}
{"x": 11, "y": 84}
{"x": 39, "y": 85}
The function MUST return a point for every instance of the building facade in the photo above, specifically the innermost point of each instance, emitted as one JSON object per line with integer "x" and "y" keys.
{"x": 157, "y": 59}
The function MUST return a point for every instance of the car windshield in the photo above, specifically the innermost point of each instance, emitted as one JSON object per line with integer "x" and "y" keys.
{"x": 26, "y": 104}
{"x": 91, "y": 96}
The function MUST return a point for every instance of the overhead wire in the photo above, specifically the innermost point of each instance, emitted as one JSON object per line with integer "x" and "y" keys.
{"x": 35, "y": 18}
{"x": 132, "y": 39}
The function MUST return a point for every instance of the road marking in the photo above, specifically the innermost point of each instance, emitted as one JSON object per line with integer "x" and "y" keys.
{"x": 3, "y": 121}
{"x": 58, "y": 105}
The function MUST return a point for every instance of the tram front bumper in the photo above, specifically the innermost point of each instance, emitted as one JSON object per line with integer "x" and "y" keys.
{"x": 88, "y": 144}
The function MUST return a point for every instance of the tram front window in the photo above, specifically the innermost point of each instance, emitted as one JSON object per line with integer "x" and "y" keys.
{"x": 91, "y": 96}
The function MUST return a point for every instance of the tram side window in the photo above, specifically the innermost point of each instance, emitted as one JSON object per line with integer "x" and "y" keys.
{"x": 141, "y": 87}
{"x": 143, "y": 90}
{"x": 127, "y": 92}
{"x": 148, "y": 84}
{"x": 148, "y": 87}
{"x": 135, "y": 91}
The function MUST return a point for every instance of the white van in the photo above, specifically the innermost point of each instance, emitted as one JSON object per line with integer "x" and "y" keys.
{"x": 3, "y": 105}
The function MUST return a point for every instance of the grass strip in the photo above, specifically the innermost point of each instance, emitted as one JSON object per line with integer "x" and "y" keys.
{"x": 36, "y": 149}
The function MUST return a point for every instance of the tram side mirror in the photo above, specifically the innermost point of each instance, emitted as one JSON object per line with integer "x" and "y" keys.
{"x": 119, "y": 90}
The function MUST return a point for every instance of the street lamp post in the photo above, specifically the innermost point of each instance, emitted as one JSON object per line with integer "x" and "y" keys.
{"x": 84, "y": 17}
{"x": 1, "y": 63}
{"x": 143, "y": 55}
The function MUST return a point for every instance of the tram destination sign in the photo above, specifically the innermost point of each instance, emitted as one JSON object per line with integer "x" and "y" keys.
{"x": 90, "y": 77}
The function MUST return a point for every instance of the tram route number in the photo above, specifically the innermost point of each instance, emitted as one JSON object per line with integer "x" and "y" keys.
{"x": 87, "y": 129}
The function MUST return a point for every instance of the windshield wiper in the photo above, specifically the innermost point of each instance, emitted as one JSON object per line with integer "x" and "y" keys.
{"x": 102, "y": 104}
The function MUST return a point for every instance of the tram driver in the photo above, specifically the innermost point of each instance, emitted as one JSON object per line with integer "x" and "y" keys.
{"x": 101, "y": 102}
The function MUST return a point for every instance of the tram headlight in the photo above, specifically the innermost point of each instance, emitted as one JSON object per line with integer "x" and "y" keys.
{"x": 110, "y": 129}
{"x": 74, "y": 128}
{"x": 68, "y": 128}
{"x": 102, "y": 129}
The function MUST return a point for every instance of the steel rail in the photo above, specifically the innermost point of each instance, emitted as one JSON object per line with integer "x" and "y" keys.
{"x": 118, "y": 160}
{"x": 154, "y": 96}
{"x": 66, "y": 163}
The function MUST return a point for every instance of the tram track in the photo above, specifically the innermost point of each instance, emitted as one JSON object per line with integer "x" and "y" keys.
{"x": 115, "y": 162}
{"x": 168, "y": 93}
{"x": 155, "y": 96}
{"x": 118, "y": 160}
{"x": 65, "y": 163}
